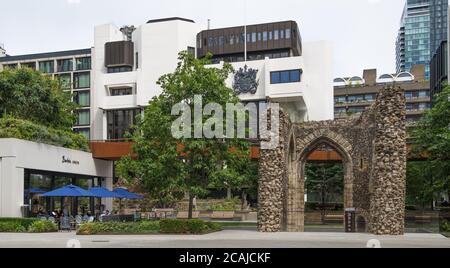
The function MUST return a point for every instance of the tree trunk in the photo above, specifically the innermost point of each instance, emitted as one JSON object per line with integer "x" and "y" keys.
{"x": 191, "y": 205}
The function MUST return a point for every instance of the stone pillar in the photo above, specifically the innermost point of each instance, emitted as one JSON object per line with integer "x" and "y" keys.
{"x": 272, "y": 176}
{"x": 387, "y": 202}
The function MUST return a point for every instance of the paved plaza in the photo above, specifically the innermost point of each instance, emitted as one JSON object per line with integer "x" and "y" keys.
{"x": 225, "y": 239}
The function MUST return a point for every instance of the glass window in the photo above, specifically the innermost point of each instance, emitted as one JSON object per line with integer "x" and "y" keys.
{"x": 259, "y": 37}
{"x": 28, "y": 65}
{"x": 82, "y": 98}
{"x": 276, "y": 35}
{"x": 288, "y": 33}
{"x": 424, "y": 94}
{"x": 284, "y": 76}
{"x": 275, "y": 77}
{"x": 270, "y": 35}
{"x": 120, "y": 121}
{"x": 82, "y": 80}
{"x": 83, "y": 118}
{"x": 369, "y": 97}
{"x": 47, "y": 67}
{"x": 408, "y": 95}
{"x": 253, "y": 37}
{"x": 10, "y": 66}
{"x": 123, "y": 91}
{"x": 120, "y": 69}
{"x": 281, "y": 34}
{"x": 83, "y": 63}
{"x": 65, "y": 80}
{"x": 65, "y": 65}
{"x": 264, "y": 36}
{"x": 86, "y": 132}
{"x": 292, "y": 76}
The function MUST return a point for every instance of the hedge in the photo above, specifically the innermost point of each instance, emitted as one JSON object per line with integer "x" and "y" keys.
{"x": 193, "y": 226}
{"x": 18, "y": 222}
{"x": 25, "y": 130}
{"x": 95, "y": 228}
{"x": 23, "y": 225}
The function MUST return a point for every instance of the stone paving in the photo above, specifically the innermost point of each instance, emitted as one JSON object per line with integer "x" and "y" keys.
{"x": 225, "y": 239}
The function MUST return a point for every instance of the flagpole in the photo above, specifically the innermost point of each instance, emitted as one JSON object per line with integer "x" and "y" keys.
{"x": 245, "y": 30}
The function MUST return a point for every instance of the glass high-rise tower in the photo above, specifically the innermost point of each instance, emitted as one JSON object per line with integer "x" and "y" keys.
{"x": 438, "y": 23}
{"x": 422, "y": 29}
{"x": 413, "y": 41}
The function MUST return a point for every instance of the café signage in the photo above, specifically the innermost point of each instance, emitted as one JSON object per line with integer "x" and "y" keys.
{"x": 67, "y": 160}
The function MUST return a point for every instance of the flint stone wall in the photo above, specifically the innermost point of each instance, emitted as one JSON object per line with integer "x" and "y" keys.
{"x": 373, "y": 149}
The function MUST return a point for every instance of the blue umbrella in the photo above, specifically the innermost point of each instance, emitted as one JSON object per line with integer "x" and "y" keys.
{"x": 35, "y": 191}
{"x": 69, "y": 191}
{"x": 101, "y": 192}
{"x": 127, "y": 195}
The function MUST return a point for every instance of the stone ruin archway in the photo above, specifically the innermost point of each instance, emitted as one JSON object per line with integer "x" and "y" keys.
{"x": 373, "y": 149}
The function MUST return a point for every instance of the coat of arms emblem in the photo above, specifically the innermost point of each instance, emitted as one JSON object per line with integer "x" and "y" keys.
{"x": 245, "y": 81}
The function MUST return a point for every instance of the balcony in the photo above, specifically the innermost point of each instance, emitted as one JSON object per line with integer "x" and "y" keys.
{"x": 111, "y": 150}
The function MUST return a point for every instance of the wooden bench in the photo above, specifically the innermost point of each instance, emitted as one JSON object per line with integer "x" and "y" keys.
{"x": 185, "y": 214}
{"x": 334, "y": 218}
{"x": 222, "y": 215}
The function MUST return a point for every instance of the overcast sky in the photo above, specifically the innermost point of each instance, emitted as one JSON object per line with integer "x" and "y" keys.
{"x": 362, "y": 32}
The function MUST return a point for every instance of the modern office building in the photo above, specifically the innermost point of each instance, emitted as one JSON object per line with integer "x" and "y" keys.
{"x": 352, "y": 95}
{"x": 439, "y": 69}
{"x": 413, "y": 43}
{"x": 73, "y": 70}
{"x": 115, "y": 79}
{"x": 294, "y": 74}
{"x": 438, "y": 23}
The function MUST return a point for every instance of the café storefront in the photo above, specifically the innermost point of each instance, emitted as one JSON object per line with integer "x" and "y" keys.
{"x": 28, "y": 169}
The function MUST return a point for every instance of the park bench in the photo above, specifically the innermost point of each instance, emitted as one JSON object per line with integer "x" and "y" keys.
{"x": 222, "y": 215}
{"x": 185, "y": 214}
{"x": 334, "y": 218}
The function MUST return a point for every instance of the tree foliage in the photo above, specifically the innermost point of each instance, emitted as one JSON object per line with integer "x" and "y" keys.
{"x": 432, "y": 138}
{"x": 30, "y": 95}
{"x": 168, "y": 167}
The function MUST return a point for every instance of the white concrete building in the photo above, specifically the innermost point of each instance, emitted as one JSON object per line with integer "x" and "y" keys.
{"x": 26, "y": 165}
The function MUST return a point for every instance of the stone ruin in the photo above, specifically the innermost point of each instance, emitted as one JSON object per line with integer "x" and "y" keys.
{"x": 373, "y": 152}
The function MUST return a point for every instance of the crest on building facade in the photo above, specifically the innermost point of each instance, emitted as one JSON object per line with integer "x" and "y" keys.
{"x": 245, "y": 81}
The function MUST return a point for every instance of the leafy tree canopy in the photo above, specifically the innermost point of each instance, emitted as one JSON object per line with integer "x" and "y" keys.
{"x": 30, "y": 95}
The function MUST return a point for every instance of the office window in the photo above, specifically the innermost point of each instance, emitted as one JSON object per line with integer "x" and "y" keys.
{"x": 259, "y": 37}
{"x": 119, "y": 122}
{"x": 47, "y": 67}
{"x": 83, "y": 118}
{"x": 288, "y": 33}
{"x": 242, "y": 38}
{"x": 210, "y": 42}
{"x": 65, "y": 80}
{"x": 190, "y": 50}
{"x": 82, "y": 98}
{"x": 122, "y": 69}
{"x": 370, "y": 97}
{"x": 28, "y": 65}
{"x": 83, "y": 63}
{"x": 81, "y": 80}
{"x": 264, "y": 36}
{"x": 270, "y": 35}
{"x": 341, "y": 99}
{"x": 281, "y": 34}
{"x": 276, "y": 35}
{"x": 65, "y": 65}
{"x": 86, "y": 132}
{"x": 10, "y": 66}
{"x": 123, "y": 91}
{"x": 253, "y": 37}
{"x": 281, "y": 77}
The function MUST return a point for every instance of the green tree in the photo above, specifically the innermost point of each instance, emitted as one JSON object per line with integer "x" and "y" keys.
{"x": 30, "y": 95}
{"x": 432, "y": 138}
{"x": 326, "y": 180}
{"x": 168, "y": 167}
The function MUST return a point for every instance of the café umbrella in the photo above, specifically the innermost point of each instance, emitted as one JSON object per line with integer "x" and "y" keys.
{"x": 69, "y": 191}
{"x": 101, "y": 192}
{"x": 125, "y": 194}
